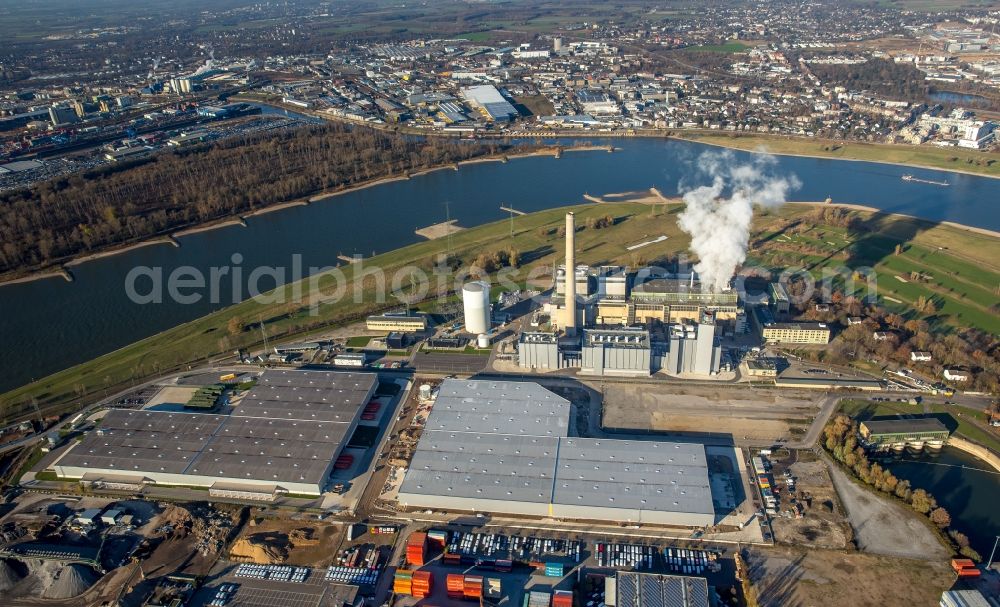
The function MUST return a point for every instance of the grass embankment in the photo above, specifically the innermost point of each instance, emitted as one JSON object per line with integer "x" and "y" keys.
{"x": 536, "y": 238}
{"x": 961, "y": 268}
{"x": 949, "y": 159}
{"x": 955, "y": 418}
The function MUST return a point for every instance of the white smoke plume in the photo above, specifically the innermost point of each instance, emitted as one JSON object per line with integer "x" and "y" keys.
{"x": 718, "y": 216}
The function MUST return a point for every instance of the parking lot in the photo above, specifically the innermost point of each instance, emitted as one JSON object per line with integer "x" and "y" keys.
{"x": 446, "y": 362}
{"x": 313, "y": 591}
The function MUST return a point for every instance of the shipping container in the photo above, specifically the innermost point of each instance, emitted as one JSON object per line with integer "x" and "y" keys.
{"x": 562, "y": 598}
{"x": 416, "y": 549}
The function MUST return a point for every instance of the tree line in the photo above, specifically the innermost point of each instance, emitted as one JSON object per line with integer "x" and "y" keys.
{"x": 840, "y": 440}
{"x": 116, "y": 204}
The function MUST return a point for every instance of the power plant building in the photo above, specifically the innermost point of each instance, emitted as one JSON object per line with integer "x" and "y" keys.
{"x": 539, "y": 350}
{"x": 625, "y": 352}
{"x": 503, "y": 447}
{"x": 283, "y": 437}
{"x": 476, "y": 307}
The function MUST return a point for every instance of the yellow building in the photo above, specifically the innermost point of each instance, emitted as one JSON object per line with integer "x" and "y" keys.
{"x": 796, "y": 333}
{"x": 389, "y": 322}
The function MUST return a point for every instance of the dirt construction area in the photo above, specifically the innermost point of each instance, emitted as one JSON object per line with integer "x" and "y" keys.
{"x": 728, "y": 410}
{"x": 823, "y": 523}
{"x": 792, "y": 577}
{"x": 268, "y": 541}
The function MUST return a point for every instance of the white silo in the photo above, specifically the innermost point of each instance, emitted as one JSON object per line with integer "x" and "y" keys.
{"x": 476, "y": 304}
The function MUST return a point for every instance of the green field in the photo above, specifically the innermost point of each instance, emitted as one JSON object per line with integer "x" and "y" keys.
{"x": 213, "y": 337}
{"x": 984, "y": 163}
{"x": 962, "y": 268}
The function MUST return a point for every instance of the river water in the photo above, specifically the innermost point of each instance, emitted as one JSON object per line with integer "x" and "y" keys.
{"x": 50, "y": 324}
{"x": 966, "y": 486}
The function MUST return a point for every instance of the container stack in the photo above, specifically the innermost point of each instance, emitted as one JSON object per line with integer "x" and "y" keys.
{"x": 539, "y": 599}
{"x": 416, "y": 549}
{"x": 473, "y": 587}
{"x": 421, "y": 584}
{"x": 553, "y": 569}
{"x": 437, "y": 538}
{"x": 965, "y": 568}
{"x": 562, "y": 598}
{"x": 455, "y": 583}
{"x": 403, "y": 582}
{"x": 452, "y": 558}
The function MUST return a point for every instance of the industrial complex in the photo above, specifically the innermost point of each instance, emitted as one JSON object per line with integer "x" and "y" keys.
{"x": 609, "y": 321}
{"x": 282, "y": 438}
{"x": 503, "y": 447}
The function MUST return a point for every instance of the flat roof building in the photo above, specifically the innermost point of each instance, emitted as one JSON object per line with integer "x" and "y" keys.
{"x": 490, "y": 102}
{"x": 503, "y": 447}
{"x": 796, "y": 333}
{"x": 397, "y": 322}
{"x": 282, "y": 437}
{"x": 628, "y": 589}
{"x": 890, "y": 431}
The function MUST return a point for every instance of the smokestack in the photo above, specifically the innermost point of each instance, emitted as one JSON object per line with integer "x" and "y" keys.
{"x": 569, "y": 323}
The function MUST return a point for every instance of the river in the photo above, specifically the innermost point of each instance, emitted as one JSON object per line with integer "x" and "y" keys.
{"x": 966, "y": 486}
{"x": 50, "y": 324}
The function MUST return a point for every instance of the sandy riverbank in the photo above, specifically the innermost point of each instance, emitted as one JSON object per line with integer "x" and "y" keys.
{"x": 208, "y": 226}
{"x": 108, "y": 253}
{"x": 39, "y": 276}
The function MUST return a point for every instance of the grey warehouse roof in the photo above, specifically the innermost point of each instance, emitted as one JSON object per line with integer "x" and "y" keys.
{"x": 650, "y": 590}
{"x": 288, "y": 429}
{"x": 319, "y": 396}
{"x": 507, "y": 458}
{"x": 499, "y": 407}
{"x": 641, "y": 475}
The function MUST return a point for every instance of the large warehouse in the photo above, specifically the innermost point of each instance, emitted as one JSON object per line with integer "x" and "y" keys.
{"x": 283, "y": 437}
{"x": 503, "y": 447}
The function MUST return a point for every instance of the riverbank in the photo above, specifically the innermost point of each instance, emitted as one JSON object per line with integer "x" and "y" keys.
{"x": 923, "y": 157}
{"x": 170, "y": 237}
{"x": 209, "y": 338}
{"x": 117, "y": 251}
{"x": 977, "y": 450}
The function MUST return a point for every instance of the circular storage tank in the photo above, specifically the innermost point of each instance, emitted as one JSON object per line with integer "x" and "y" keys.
{"x": 483, "y": 341}
{"x": 425, "y": 392}
{"x": 476, "y": 305}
